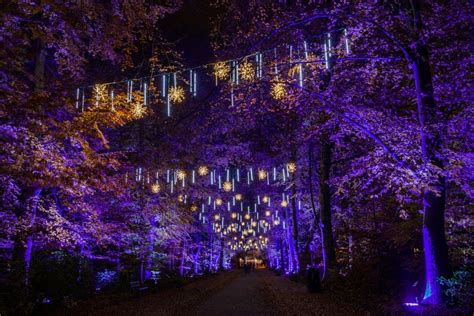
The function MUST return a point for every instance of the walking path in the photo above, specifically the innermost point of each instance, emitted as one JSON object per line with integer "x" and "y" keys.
{"x": 243, "y": 296}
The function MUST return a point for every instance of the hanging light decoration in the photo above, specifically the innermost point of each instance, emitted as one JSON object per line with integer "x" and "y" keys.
{"x": 291, "y": 166}
{"x": 216, "y": 217}
{"x": 238, "y": 196}
{"x": 227, "y": 186}
{"x": 194, "y": 208}
{"x": 234, "y": 215}
{"x": 180, "y": 198}
{"x": 138, "y": 110}
{"x": 246, "y": 71}
{"x": 203, "y": 170}
{"x": 267, "y": 213}
{"x": 247, "y": 216}
{"x": 219, "y": 201}
{"x": 278, "y": 90}
{"x": 276, "y": 222}
{"x": 100, "y": 93}
{"x": 180, "y": 174}
{"x": 155, "y": 188}
{"x": 284, "y": 203}
{"x": 221, "y": 71}
{"x": 265, "y": 199}
{"x": 262, "y": 174}
{"x": 176, "y": 94}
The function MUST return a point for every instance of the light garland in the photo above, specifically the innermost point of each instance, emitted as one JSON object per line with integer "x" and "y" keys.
{"x": 219, "y": 201}
{"x": 265, "y": 199}
{"x": 241, "y": 68}
{"x": 262, "y": 174}
{"x": 238, "y": 196}
{"x": 284, "y": 203}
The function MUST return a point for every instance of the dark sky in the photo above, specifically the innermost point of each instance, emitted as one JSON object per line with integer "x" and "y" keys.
{"x": 189, "y": 28}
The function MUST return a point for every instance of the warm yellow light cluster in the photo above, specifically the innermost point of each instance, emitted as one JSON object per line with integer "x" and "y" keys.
{"x": 100, "y": 92}
{"x": 219, "y": 201}
{"x": 262, "y": 174}
{"x": 238, "y": 196}
{"x": 180, "y": 174}
{"x": 284, "y": 203}
{"x": 203, "y": 170}
{"x": 265, "y": 199}
{"x": 155, "y": 188}
{"x": 291, "y": 167}
{"x": 138, "y": 110}
{"x": 227, "y": 186}
{"x": 221, "y": 70}
{"x": 278, "y": 90}
{"x": 194, "y": 208}
{"x": 246, "y": 71}
{"x": 176, "y": 94}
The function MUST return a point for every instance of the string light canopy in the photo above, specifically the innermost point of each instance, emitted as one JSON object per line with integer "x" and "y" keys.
{"x": 233, "y": 71}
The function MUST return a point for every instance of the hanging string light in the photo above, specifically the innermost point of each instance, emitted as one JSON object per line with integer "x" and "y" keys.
{"x": 238, "y": 196}
{"x": 284, "y": 203}
{"x": 291, "y": 167}
{"x": 246, "y": 71}
{"x": 203, "y": 170}
{"x": 221, "y": 71}
{"x": 219, "y": 201}
{"x": 180, "y": 174}
{"x": 155, "y": 188}
{"x": 265, "y": 199}
{"x": 262, "y": 174}
{"x": 278, "y": 91}
{"x": 100, "y": 93}
{"x": 138, "y": 110}
{"x": 227, "y": 186}
{"x": 176, "y": 94}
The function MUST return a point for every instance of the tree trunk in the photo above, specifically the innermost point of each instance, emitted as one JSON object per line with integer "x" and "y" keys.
{"x": 294, "y": 216}
{"x": 325, "y": 224}
{"x": 434, "y": 239}
{"x": 183, "y": 259}
{"x": 24, "y": 246}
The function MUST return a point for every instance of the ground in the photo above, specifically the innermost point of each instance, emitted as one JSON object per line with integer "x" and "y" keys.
{"x": 261, "y": 292}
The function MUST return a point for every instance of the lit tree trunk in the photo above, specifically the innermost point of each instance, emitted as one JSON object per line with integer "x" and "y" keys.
{"x": 282, "y": 256}
{"x": 183, "y": 260}
{"x": 294, "y": 216}
{"x": 196, "y": 259}
{"x": 434, "y": 240}
{"x": 329, "y": 252}
{"x": 292, "y": 260}
{"x": 27, "y": 248}
{"x": 221, "y": 261}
